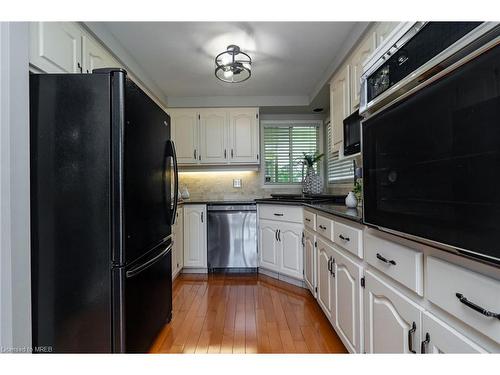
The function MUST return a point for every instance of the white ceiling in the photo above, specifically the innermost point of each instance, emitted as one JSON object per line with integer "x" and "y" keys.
{"x": 291, "y": 60}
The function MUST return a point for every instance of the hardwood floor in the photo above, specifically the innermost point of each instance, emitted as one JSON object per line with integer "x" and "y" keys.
{"x": 244, "y": 314}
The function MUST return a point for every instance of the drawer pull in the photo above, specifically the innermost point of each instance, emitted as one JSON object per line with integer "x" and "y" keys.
{"x": 475, "y": 307}
{"x": 410, "y": 337}
{"x": 307, "y": 219}
{"x": 275, "y": 214}
{"x": 322, "y": 227}
{"x": 385, "y": 260}
{"x": 423, "y": 348}
{"x": 344, "y": 238}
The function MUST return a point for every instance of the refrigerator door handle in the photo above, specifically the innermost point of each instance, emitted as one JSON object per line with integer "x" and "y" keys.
{"x": 137, "y": 270}
{"x": 171, "y": 153}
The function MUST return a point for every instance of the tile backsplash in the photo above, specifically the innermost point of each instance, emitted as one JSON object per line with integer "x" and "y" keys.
{"x": 218, "y": 185}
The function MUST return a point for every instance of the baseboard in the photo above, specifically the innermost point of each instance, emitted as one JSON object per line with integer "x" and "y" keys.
{"x": 286, "y": 279}
{"x": 194, "y": 270}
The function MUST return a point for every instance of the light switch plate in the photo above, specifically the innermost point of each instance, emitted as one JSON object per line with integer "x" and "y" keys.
{"x": 237, "y": 183}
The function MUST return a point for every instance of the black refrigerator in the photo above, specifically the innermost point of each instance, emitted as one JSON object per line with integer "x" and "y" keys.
{"x": 103, "y": 199}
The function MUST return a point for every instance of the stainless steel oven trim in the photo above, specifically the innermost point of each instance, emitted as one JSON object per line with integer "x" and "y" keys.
{"x": 466, "y": 46}
{"x": 442, "y": 246}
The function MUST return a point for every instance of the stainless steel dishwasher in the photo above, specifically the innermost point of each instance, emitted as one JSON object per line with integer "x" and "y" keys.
{"x": 232, "y": 238}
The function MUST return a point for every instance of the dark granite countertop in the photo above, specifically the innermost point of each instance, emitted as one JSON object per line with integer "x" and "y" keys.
{"x": 354, "y": 214}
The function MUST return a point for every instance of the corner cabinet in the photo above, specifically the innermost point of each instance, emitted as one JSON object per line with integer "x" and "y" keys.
{"x": 216, "y": 136}
{"x": 195, "y": 236}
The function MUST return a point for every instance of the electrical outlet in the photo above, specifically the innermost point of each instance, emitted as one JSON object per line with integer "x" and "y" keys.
{"x": 237, "y": 183}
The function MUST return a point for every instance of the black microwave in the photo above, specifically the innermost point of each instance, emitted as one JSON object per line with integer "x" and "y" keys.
{"x": 352, "y": 134}
{"x": 432, "y": 160}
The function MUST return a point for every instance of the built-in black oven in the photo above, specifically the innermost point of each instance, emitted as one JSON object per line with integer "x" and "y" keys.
{"x": 432, "y": 160}
{"x": 352, "y": 134}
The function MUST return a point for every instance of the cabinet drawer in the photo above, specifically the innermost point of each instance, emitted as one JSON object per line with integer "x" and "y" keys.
{"x": 324, "y": 226}
{"x": 401, "y": 263}
{"x": 444, "y": 280}
{"x": 293, "y": 214}
{"x": 310, "y": 220}
{"x": 349, "y": 238}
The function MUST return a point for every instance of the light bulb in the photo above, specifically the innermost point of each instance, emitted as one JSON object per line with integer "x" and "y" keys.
{"x": 226, "y": 59}
{"x": 247, "y": 65}
{"x": 228, "y": 74}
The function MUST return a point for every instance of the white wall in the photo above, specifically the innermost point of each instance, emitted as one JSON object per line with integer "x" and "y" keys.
{"x": 15, "y": 290}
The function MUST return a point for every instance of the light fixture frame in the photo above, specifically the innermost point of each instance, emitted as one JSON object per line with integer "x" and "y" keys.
{"x": 236, "y": 65}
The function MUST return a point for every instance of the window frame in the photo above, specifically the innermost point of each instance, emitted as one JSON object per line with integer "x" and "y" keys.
{"x": 287, "y": 123}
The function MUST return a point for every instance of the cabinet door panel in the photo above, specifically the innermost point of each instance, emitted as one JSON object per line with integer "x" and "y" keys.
{"x": 244, "y": 136}
{"x": 195, "y": 236}
{"x": 290, "y": 238}
{"x": 389, "y": 317}
{"x": 95, "y": 57}
{"x": 360, "y": 55}
{"x": 444, "y": 339}
{"x": 339, "y": 105}
{"x": 56, "y": 47}
{"x": 347, "y": 303}
{"x": 268, "y": 245}
{"x": 325, "y": 280}
{"x": 310, "y": 262}
{"x": 185, "y": 134}
{"x": 213, "y": 128}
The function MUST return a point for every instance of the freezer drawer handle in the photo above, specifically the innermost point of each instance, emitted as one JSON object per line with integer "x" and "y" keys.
{"x": 135, "y": 271}
{"x": 475, "y": 307}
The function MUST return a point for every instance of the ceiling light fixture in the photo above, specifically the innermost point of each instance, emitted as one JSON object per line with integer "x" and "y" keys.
{"x": 233, "y": 65}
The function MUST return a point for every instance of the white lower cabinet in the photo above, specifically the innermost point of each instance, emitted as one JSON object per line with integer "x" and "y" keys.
{"x": 268, "y": 245}
{"x": 195, "y": 236}
{"x": 392, "y": 321}
{"x": 347, "y": 301}
{"x": 280, "y": 245}
{"x": 439, "y": 337}
{"x": 178, "y": 243}
{"x": 310, "y": 261}
{"x": 325, "y": 279}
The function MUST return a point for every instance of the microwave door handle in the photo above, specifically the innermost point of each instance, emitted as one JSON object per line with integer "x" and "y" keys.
{"x": 172, "y": 154}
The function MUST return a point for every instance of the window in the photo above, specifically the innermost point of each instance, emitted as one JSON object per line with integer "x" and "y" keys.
{"x": 338, "y": 170}
{"x": 284, "y": 145}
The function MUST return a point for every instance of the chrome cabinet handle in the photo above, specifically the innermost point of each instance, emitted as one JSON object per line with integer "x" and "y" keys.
{"x": 423, "y": 348}
{"x": 344, "y": 238}
{"x": 385, "y": 260}
{"x": 475, "y": 307}
{"x": 411, "y": 332}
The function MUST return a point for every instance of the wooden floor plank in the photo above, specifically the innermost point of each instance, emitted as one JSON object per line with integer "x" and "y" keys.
{"x": 244, "y": 314}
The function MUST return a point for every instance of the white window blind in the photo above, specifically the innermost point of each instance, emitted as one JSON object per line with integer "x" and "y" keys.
{"x": 284, "y": 146}
{"x": 338, "y": 170}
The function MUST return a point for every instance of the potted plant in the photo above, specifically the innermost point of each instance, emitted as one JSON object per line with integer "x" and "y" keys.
{"x": 312, "y": 182}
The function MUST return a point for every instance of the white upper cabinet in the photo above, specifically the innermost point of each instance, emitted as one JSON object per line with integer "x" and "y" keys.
{"x": 95, "y": 56}
{"x": 382, "y": 31}
{"x": 340, "y": 105}
{"x": 216, "y": 136}
{"x": 184, "y": 128}
{"x": 213, "y": 136}
{"x": 392, "y": 321}
{"x": 243, "y": 145}
{"x": 310, "y": 261}
{"x": 56, "y": 47}
{"x": 348, "y": 301}
{"x": 438, "y": 337}
{"x": 195, "y": 236}
{"x": 358, "y": 58}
